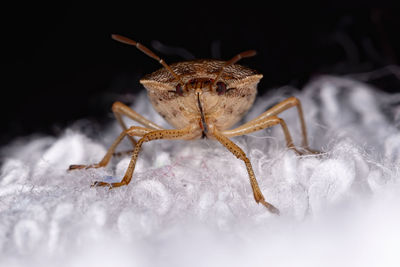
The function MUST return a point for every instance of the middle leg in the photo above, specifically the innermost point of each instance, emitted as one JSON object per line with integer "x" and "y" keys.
{"x": 275, "y": 110}
{"x": 253, "y": 125}
{"x": 259, "y": 124}
{"x": 120, "y": 109}
{"x": 133, "y": 131}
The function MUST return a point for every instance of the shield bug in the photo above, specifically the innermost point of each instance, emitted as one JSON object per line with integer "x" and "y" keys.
{"x": 200, "y": 98}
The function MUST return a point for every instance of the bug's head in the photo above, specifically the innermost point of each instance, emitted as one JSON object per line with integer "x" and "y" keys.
{"x": 222, "y": 78}
{"x": 213, "y": 77}
{"x": 211, "y": 80}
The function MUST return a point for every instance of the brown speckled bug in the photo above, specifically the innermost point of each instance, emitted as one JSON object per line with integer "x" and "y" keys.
{"x": 200, "y": 98}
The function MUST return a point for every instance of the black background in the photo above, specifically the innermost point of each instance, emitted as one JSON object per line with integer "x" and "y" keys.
{"x": 59, "y": 64}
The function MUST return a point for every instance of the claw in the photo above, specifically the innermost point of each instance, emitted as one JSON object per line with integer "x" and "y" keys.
{"x": 270, "y": 207}
{"x": 297, "y": 151}
{"x": 76, "y": 167}
{"x": 109, "y": 183}
{"x": 312, "y": 151}
{"x": 99, "y": 183}
{"x": 274, "y": 210}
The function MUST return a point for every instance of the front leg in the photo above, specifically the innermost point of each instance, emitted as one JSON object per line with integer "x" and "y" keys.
{"x": 239, "y": 153}
{"x": 175, "y": 134}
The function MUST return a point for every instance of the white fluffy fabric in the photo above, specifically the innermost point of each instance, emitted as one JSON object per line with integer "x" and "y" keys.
{"x": 190, "y": 202}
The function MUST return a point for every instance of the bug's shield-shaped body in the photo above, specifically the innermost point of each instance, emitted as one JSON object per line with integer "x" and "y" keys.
{"x": 198, "y": 97}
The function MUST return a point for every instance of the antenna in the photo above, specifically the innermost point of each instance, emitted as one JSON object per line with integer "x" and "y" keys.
{"x": 145, "y": 50}
{"x": 248, "y": 53}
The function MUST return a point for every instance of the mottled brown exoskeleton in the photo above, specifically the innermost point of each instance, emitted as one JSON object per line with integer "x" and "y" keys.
{"x": 200, "y": 98}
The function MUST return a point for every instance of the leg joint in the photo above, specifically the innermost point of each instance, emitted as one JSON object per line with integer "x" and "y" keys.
{"x": 273, "y": 120}
{"x": 281, "y": 121}
{"x": 116, "y": 106}
{"x": 294, "y": 100}
{"x": 137, "y": 131}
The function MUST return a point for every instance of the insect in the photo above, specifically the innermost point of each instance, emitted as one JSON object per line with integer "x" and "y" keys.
{"x": 200, "y": 98}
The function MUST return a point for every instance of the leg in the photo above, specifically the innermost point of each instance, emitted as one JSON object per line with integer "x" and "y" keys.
{"x": 275, "y": 110}
{"x": 120, "y": 109}
{"x": 186, "y": 133}
{"x": 259, "y": 124}
{"x": 232, "y": 147}
{"x": 133, "y": 131}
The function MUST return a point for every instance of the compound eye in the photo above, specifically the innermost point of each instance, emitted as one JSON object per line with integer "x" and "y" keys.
{"x": 178, "y": 89}
{"x": 221, "y": 88}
